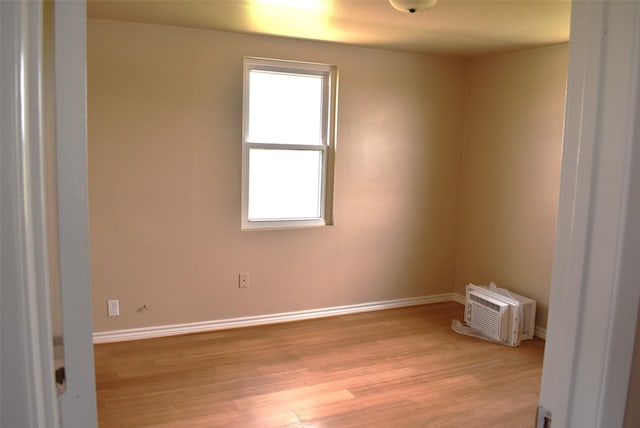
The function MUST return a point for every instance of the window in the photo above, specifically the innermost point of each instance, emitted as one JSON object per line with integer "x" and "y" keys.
{"x": 288, "y": 143}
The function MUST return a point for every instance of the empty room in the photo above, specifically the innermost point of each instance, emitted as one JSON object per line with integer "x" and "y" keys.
{"x": 257, "y": 213}
{"x": 434, "y": 163}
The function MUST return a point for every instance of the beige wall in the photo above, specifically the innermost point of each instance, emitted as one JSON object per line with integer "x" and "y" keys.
{"x": 511, "y": 171}
{"x": 164, "y": 107}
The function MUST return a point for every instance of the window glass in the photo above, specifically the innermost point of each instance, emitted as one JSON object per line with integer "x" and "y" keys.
{"x": 285, "y": 108}
{"x": 284, "y": 184}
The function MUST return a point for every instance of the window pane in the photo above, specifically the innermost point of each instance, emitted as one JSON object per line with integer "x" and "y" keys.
{"x": 284, "y": 184}
{"x": 284, "y": 108}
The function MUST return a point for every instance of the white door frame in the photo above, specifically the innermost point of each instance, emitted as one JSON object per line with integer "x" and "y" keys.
{"x": 78, "y": 403}
{"x": 28, "y": 395}
{"x": 595, "y": 287}
{"x": 27, "y": 390}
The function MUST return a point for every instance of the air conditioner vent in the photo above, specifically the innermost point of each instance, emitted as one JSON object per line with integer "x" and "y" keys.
{"x": 486, "y": 319}
{"x": 484, "y": 302}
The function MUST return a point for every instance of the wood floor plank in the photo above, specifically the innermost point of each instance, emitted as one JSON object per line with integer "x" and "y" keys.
{"x": 394, "y": 368}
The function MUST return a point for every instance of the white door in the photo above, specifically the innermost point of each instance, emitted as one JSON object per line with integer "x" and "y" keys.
{"x": 28, "y": 395}
{"x": 595, "y": 287}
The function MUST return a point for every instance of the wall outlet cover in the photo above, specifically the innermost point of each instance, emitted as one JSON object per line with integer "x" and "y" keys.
{"x": 243, "y": 281}
{"x": 113, "y": 308}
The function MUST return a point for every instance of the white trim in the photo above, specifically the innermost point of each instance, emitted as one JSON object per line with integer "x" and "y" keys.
{"x": 459, "y": 298}
{"x": 199, "y": 327}
{"x": 540, "y": 333}
{"x": 28, "y": 385}
{"x": 78, "y": 403}
{"x": 594, "y": 287}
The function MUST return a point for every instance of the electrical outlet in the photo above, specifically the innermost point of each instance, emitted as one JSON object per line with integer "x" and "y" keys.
{"x": 113, "y": 307}
{"x": 243, "y": 280}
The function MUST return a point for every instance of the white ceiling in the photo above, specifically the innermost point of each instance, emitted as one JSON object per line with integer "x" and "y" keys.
{"x": 452, "y": 27}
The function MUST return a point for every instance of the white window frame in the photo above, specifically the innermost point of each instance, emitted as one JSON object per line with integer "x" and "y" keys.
{"x": 326, "y": 146}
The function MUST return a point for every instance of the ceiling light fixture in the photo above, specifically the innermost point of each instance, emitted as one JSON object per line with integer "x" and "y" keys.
{"x": 412, "y": 6}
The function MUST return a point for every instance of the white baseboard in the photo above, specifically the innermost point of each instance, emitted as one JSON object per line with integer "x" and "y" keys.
{"x": 199, "y": 327}
{"x": 540, "y": 333}
{"x": 459, "y": 298}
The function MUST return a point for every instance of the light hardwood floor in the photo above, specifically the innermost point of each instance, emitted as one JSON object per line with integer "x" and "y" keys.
{"x": 393, "y": 368}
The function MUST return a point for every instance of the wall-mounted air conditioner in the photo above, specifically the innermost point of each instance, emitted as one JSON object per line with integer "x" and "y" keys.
{"x": 499, "y": 314}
